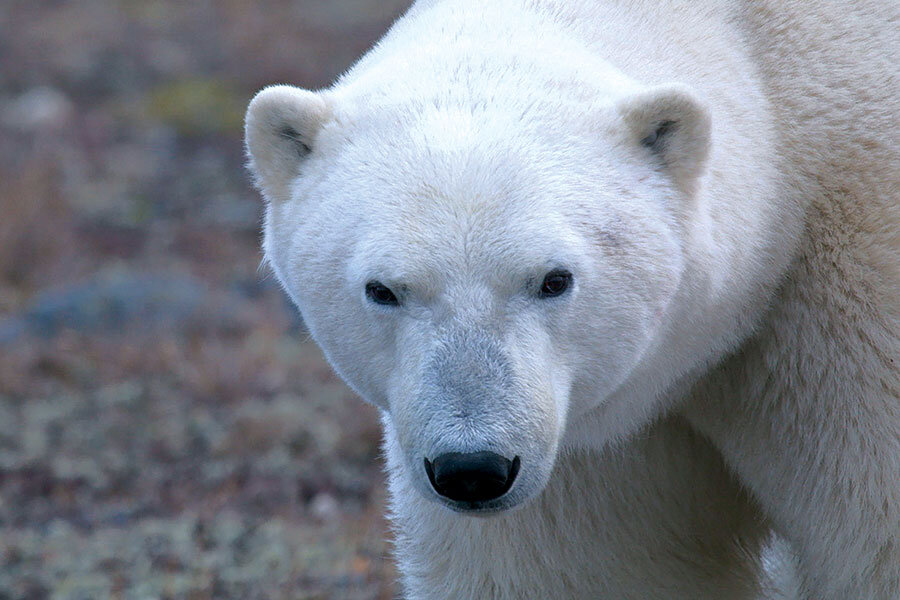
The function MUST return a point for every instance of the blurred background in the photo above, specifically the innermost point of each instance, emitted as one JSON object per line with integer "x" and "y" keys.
{"x": 167, "y": 429}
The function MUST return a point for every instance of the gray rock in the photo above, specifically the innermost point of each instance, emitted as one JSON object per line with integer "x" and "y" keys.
{"x": 109, "y": 303}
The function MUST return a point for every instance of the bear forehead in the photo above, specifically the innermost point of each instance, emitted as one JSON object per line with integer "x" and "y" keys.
{"x": 397, "y": 155}
{"x": 450, "y": 186}
{"x": 434, "y": 232}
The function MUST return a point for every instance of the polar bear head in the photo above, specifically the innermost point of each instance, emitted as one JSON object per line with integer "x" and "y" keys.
{"x": 486, "y": 269}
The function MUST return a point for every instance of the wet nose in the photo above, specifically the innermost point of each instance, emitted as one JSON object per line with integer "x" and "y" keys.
{"x": 472, "y": 476}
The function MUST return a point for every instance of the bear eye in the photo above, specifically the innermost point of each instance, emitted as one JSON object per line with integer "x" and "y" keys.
{"x": 379, "y": 293}
{"x": 555, "y": 283}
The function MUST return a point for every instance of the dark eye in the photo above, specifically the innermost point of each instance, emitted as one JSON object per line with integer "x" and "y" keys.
{"x": 379, "y": 293}
{"x": 555, "y": 283}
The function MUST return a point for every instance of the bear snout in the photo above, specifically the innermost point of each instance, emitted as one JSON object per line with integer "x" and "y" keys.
{"x": 472, "y": 477}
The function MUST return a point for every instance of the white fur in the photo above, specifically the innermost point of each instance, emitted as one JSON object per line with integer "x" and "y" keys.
{"x": 742, "y": 272}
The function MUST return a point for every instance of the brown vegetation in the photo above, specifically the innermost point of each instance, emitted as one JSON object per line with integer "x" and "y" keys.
{"x": 167, "y": 429}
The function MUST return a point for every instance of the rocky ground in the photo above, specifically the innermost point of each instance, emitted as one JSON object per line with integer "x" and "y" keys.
{"x": 167, "y": 429}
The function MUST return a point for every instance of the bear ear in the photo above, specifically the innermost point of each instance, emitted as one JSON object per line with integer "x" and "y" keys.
{"x": 280, "y": 133}
{"x": 672, "y": 124}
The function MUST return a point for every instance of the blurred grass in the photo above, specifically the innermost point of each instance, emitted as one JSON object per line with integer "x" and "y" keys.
{"x": 197, "y": 106}
{"x": 167, "y": 430}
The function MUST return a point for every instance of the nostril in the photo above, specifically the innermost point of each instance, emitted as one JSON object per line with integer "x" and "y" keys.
{"x": 473, "y": 476}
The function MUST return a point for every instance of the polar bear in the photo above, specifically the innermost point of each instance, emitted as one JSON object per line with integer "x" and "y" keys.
{"x": 623, "y": 278}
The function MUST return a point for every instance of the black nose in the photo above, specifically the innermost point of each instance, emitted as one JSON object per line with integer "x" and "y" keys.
{"x": 472, "y": 477}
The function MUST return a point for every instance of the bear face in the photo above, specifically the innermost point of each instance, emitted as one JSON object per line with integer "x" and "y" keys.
{"x": 451, "y": 257}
